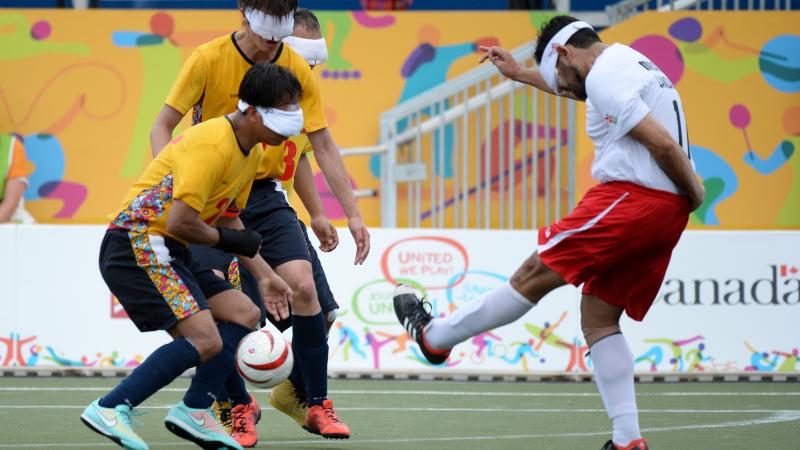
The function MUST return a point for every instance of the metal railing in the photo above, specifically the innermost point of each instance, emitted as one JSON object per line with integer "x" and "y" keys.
{"x": 629, "y": 8}
{"x": 479, "y": 151}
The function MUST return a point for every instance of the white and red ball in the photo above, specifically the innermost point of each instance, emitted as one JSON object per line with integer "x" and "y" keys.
{"x": 264, "y": 358}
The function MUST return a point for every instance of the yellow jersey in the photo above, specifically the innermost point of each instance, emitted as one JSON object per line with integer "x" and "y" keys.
{"x": 208, "y": 83}
{"x": 295, "y": 147}
{"x": 204, "y": 168}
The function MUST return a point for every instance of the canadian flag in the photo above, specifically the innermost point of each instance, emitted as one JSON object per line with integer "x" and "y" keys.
{"x": 788, "y": 270}
{"x": 117, "y": 312}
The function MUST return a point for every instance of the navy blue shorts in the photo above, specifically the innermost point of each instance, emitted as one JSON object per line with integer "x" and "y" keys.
{"x": 269, "y": 213}
{"x": 155, "y": 278}
{"x": 230, "y": 268}
{"x": 285, "y": 239}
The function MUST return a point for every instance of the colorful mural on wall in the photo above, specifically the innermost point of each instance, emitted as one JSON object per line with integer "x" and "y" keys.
{"x": 83, "y": 87}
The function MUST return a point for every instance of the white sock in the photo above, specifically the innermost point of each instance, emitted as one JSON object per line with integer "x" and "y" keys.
{"x": 613, "y": 373}
{"x": 493, "y": 309}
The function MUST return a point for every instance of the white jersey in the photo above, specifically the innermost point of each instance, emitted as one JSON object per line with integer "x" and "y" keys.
{"x": 622, "y": 87}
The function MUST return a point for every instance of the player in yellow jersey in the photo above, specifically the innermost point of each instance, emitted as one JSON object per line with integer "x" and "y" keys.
{"x": 204, "y": 85}
{"x": 192, "y": 193}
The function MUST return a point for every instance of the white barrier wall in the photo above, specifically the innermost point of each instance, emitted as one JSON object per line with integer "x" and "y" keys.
{"x": 730, "y": 302}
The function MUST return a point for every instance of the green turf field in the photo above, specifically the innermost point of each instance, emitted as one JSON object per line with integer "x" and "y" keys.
{"x": 43, "y": 413}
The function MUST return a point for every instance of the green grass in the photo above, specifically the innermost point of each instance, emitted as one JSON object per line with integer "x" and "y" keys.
{"x": 43, "y": 413}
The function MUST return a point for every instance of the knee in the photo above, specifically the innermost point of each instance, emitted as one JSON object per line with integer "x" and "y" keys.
{"x": 305, "y": 291}
{"x": 533, "y": 279}
{"x": 249, "y": 316}
{"x": 208, "y": 346}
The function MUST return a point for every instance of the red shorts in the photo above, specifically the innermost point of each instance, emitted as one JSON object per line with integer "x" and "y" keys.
{"x": 617, "y": 242}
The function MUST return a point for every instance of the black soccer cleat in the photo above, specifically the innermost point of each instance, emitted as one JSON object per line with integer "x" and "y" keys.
{"x": 414, "y": 318}
{"x": 638, "y": 444}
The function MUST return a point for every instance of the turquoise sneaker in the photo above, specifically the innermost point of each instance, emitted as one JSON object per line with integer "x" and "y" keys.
{"x": 113, "y": 423}
{"x": 199, "y": 426}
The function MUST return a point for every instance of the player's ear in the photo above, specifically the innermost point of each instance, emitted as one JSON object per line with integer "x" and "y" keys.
{"x": 562, "y": 50}
{"x": 252, "y": 115}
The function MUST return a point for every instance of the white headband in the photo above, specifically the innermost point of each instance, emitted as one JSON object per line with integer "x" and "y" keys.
{"x": 314, "y": 51}
{"x": 550, "y": 56}
{"x": 284, "y": 123}
{"x": 269, "y": 27}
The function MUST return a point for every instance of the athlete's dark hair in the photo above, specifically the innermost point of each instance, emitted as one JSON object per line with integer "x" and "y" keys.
{"x": 278, "y": 8}
{"x": 269, "y": 85}
{"x": 307, "y": 19}
{"x": 583, "y": 38}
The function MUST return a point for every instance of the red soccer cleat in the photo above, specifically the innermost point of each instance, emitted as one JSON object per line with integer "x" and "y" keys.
{"x": 638, "y": 444}
{"x": 243, "y": 423}
{"x": 322, "y": 420}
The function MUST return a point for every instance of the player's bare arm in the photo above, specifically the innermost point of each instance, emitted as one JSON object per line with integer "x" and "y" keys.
{"x": 510, "y": 68}
{"x": 14, "y": 190}
{"x": 165, "y": 124}
{"x": 276, "y": 294}
{"x": 332, "y": 165}
{"x": 670, "y": 157}
{"x": 185, "y": 223}
{"x": 304, "y": 185}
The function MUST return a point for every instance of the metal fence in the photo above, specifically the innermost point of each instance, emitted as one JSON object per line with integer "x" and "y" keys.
{"x": 478, "y": 151}
{"x": 629, "y": 8}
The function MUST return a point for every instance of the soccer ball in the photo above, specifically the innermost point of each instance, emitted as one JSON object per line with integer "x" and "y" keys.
{"x": 264, "y": 358}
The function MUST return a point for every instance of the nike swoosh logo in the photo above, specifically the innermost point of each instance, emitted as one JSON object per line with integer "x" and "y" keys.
{"x": 199, "y": 423}
{"x": 106, "y": 421}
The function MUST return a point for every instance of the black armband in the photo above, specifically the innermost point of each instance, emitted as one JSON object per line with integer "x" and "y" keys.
{"x": 239, "y": 242}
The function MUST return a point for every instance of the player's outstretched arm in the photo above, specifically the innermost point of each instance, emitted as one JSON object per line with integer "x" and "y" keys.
{"x": 509, "y": 67}
{"x": 275, "y": 293}
{"x": 670, "y": 157}
{"x": 332, "y": 166}
{"x": 165, "y": 124}
{"x": 304, "y": 185}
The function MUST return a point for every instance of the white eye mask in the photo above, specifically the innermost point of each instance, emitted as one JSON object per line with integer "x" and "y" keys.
{"x": 269, "y": 27}
{"x": 284, "y": 123}
{"x": 314, "y": 51}
{"x": 550, "y": 56}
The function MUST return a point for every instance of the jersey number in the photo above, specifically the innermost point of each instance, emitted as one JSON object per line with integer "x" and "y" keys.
{"x": 680, "y": 129}
{"x": 288, "y": 160}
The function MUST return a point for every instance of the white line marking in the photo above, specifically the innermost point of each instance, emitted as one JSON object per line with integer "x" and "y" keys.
{"x": 487, "y": 410}
{"x": 774, "y": 418}
{"x": 448, "y": 393}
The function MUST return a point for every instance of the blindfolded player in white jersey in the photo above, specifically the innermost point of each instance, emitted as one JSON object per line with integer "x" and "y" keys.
{"x": 618, "y": 240}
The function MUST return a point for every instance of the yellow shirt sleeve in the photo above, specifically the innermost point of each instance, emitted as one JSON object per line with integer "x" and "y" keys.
{"x": 190, "y": 84}
{"x": 196, "y": 171}
{"x": 20, "y": 166}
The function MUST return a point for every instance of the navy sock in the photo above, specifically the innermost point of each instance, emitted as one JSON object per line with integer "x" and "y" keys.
{"x": 222, "y": 396}
{"x": 210, "y": 377}
{"x": 159, "y": 369}
{"x": 236, "y": 389}
{"x": 310, "y": 346}
{"x": 296, "y": 377}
